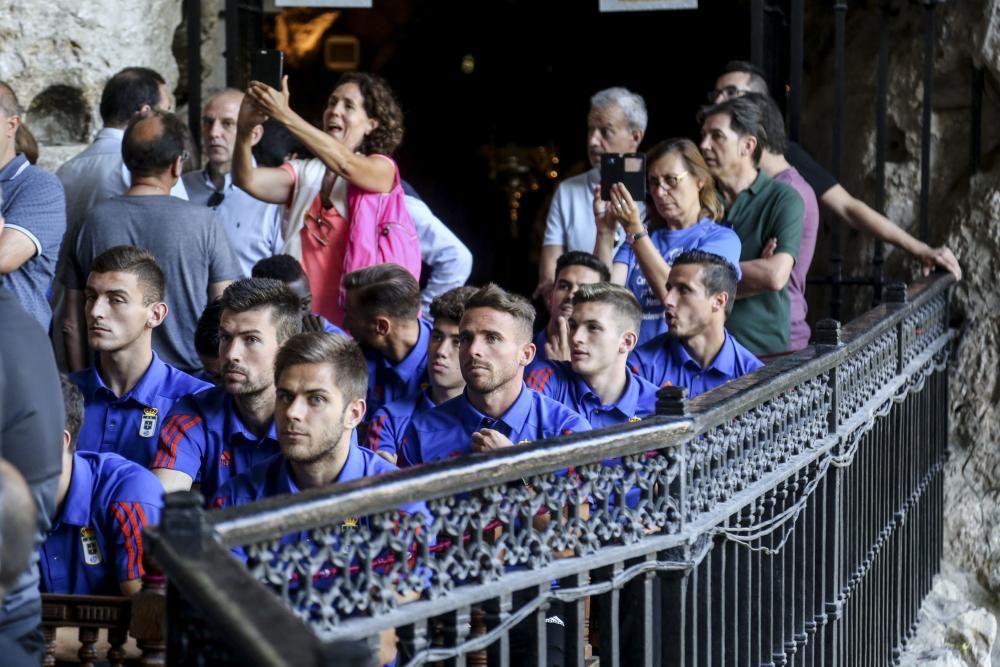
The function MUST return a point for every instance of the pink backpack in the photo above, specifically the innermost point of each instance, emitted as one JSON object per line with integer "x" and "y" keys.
{"x": 381, "y": 230}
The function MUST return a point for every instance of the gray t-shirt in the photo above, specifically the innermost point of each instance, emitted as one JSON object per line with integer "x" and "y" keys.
{"x": 192, "y": 249}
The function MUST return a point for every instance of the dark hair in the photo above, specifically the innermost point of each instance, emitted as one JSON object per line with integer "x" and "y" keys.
{"x": 276, "y": 144}
{"x": 73, "y": 402}
{"x": 711, "y": 201}
{"x": 758, "y": 83}
{"x": 581, "y": 258}
{"x": 252, "y": 293}
{"x": 385, "y": 289}
{"x": 617, "y": 296}
{"x": 319, "y": 347}
{"x": 285, "y": 268}
{"x": 380, "y": 105}
{"x": 717, "y": 274}
{"x": 745, "y": 119}
{"x": 772, "y": 122}
{"x": 148, "y": 154}
{"x": 8, "y": 100}
{"x": 206, "y": 333}
{"x": 451, "y": 304}
{"x": 137, "y": 261}
{"x": 494, "y": 297}
{"x": 127, "y": 92}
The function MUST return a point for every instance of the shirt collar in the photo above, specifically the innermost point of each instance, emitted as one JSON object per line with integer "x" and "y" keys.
{"x": 76, "y": 505}
{"x": 722, "y": 360}
{"x": 144, "y": 392}
{"x": 626, "y": 403}
{"x": 111, "y": 133}
{"x": 593, "y": 178}
{"x": 515, "y": 416}
{"x": 759, "y": 183}
{"x": 235, "y": 425}
{"x": 12, "y": 169}
{"x": 413, "y": 363}
{"x": 354, "y": 468}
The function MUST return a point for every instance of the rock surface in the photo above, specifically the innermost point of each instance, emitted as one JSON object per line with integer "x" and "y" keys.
{"x": 57, "y": 55}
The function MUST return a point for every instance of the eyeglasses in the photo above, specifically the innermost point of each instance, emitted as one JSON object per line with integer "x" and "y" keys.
{"x": 216, "y": 198}
{"x": 726, "y": 93}
{"x": 668, "y": 182}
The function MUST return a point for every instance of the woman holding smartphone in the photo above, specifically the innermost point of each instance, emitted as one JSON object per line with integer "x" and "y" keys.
{"x": 686, "y": 207}
{"x": 336, "y": 202}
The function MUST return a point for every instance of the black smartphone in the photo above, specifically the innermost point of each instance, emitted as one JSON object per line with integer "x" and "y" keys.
{"x": 628, "y": 169}
{"x": 268, "y": 67}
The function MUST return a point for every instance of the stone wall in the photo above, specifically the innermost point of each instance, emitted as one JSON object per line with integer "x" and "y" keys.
{"x": 58, "y": 54}
{"x": 965, "y": 215}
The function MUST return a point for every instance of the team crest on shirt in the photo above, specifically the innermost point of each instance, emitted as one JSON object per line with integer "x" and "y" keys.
{"x": 351, "y": 522}
{"x": 524, "y": 441}
{"x": 147, "y": 426}
{"x": 91, "y": 551}
{"x": 633, "y": 420}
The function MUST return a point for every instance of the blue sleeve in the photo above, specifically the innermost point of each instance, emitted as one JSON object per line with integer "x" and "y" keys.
{"x": 382, "y": 434}
{"x": 139, "y": 506}
{"x": 408, "y": 453}
{"x": 183, "y": 440}
{"x": 726, "y": 244}
{"x": 624, "y": 255}
{"x": 542, "y": 376}
{"x": 574, "y": 423}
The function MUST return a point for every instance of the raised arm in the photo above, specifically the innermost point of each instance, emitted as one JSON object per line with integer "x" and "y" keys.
{"x": 654, "y": 268}
{"x": 368, "y": 172}
{"x": 270, "y": 184}
{"x": 861, "y": 216}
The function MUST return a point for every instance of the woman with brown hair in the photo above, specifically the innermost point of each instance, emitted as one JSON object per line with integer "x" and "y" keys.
{"x": 345, "y": 206}
{"x": 686, "y": 207}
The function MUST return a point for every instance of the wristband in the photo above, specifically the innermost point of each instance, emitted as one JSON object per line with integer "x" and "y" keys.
{"x": 632, "y": 238}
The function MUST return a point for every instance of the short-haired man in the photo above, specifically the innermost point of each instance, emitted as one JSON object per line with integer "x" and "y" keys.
{"x": 573, "y": 269}
{"x": 615, "y": 124}
{"x": 382, "y": 313}
{"x": 597, "y": 382}
{"x": 759, "y": 209}
{"x": 189, "y": 245}
{"x": 774, "y": 164}
{"x": 696, "y": 352}
{"x": 739, "y": 77}
{"x": 130, "y": 389}
{"x": 104, "y": 504}
{"x": 389, "y": 422}
{"x": 254, "y": 226}
{"x": 225, "y": 431}
{"x": 496, "y": 409}
{"x": 34, "y": 212}
{"x": 288, "y": 270}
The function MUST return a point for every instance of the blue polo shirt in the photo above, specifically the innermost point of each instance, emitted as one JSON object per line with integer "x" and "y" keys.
{"x": 389, "y": 422}
{"x": 704, "y": 235}
{"x": 664, "y": 361}
{"x": 558, "y": 381}
{"x": 204, "y": 437}
{"x": 96, "y": 540}
{"x": 388, "y": 381}
{"x": 129, "y": 425}
{"x": 446, "y": 431}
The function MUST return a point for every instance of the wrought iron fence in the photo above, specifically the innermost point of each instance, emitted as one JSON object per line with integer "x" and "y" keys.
{"x": 792, "y": 516}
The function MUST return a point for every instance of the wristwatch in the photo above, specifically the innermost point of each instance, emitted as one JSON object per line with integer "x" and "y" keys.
{"x": 632, "y": 238}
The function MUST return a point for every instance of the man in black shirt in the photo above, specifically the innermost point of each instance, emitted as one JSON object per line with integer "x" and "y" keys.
{"x": 739, "y": 77}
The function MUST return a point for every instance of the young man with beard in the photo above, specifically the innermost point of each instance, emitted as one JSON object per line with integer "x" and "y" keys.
{"x": 496, "y": 409}
{"x": 130, "y": 390}
{"x": 573, "y": 269}
{"x": 696, "y": 352}
{"x": 443, "y": 371}
{"x": 597, "y": 383}
{"x": 225, "y": 431}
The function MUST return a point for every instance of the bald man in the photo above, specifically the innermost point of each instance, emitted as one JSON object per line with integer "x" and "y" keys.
{"x": 253, "y": 226}
{"x": 189, "y": 245}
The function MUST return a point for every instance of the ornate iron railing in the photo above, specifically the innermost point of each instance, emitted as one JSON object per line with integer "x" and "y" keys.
{"x": 790, "y": 516}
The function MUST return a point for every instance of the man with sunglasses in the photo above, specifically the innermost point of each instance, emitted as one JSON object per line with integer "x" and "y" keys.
{"x": 254, "y": 226}
{"x": 189, "y": 245}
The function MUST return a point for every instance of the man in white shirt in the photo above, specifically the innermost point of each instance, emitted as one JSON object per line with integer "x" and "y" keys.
{"x": 615, "y": 124}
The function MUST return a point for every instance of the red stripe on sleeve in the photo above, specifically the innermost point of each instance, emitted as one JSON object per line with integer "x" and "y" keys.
{"x": 127, "y": 533}
{"x": 543, "y": 379}
{"x": 140, "y": 518}
{"x": 374, "y": 432}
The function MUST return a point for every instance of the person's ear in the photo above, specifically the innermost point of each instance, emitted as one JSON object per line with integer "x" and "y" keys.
{"x": 157, "y": 313}
{"x": 526, "y": 354}
{"x": 720, "y": 301}
{"x": 354, "y": 413}
{"x": 749, "y": 144}
{"x": 636, "y": 136}
{"x": 67, "y": 440}
{"x": 382, "y": 325}
{"x": 628, "y": 341}
{"x": 256, "y": 134}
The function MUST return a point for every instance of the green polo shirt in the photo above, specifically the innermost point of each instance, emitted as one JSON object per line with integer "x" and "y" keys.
{"x": 767, "y": 209}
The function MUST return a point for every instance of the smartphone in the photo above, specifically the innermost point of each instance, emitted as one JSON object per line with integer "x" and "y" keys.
{"x": 628, "y": 169}
{"x": 268, "y": 67}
